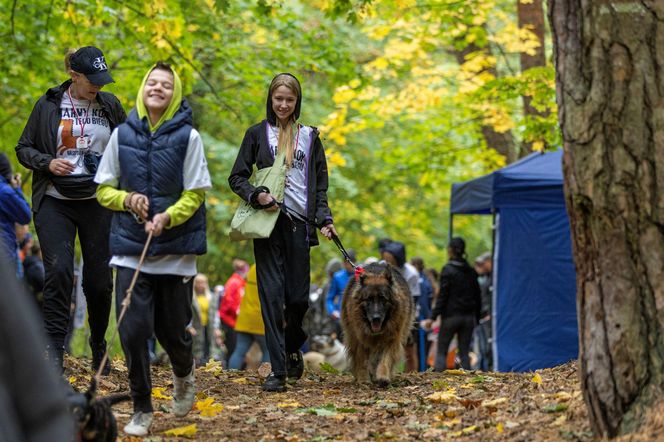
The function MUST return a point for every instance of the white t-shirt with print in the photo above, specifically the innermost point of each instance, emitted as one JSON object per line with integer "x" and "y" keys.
{"x": 295, "y": 194}
{"x": 79, "y": 117}
{"x": 195, "y": 176}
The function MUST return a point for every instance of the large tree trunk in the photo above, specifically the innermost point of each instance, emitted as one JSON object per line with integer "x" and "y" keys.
{"x": 609, "y": 58}
{"x": 531, "y": 16}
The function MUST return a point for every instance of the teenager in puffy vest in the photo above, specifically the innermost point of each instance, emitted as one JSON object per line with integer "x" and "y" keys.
{"x": 66, "y": 133}
{"x": 154, "y": 176}
{"x": 282, "y": 260}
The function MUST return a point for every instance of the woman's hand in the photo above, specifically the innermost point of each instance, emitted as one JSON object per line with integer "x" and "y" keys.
{"x": 60, "y": 167}
{"x": 328, "y": 231}
{"x": 158, "y": 223}
{"x": 138, "y": 203}
{"x": 265, "y": 198}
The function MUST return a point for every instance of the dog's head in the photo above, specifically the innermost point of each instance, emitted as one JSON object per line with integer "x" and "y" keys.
{"x": 93, "y": 415}
{"x": 321, "y": 343}
{"x": 375, "y": 293}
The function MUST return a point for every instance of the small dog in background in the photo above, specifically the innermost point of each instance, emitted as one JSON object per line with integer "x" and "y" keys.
{"x": 332, "y": 350}
{"x": 94, "y": 417}
{"x": 377, "y": 313}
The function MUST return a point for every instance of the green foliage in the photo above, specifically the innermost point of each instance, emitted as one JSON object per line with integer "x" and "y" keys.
{"x": 401, "y": 118}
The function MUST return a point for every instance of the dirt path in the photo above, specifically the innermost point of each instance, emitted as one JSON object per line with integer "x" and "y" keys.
{"x": 546, "y": 405}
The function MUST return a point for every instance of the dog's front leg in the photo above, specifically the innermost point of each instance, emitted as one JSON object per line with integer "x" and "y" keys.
{"x": 384, "y": 368}
{"x": 360, "y": 366}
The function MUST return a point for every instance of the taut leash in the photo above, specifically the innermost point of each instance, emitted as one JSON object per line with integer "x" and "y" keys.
{"x": 290, "y": 213}
{"x": 125, "y": 305}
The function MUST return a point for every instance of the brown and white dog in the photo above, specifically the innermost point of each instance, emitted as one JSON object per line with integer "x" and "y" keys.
{"x": 377, "y": 312}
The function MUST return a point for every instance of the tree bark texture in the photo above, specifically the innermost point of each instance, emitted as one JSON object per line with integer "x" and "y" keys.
{"x": 531, "y": 16}
{"x": 609, "y": 58}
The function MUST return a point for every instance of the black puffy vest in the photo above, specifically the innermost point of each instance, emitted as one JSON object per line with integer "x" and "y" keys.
{"x": 152, "y": 164}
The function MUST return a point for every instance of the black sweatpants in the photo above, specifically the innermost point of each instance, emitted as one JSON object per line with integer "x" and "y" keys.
{"x": 160, "y": 304}
{"x": 282, "y": 271}
{"x": 462, "y": 326}
{"x": 57, "y": 223}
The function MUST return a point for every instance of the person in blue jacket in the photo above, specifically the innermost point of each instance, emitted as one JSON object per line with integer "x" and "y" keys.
{"x": 14, "y": 209}
{"x": 337, "y": 286}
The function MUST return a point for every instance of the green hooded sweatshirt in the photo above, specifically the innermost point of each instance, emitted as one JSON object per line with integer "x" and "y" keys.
{"x": 190, "y": 200}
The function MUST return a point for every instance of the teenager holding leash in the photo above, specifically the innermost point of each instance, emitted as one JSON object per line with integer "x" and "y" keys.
{"x": 282, "y": 260}
{"x": 154, "y": 171}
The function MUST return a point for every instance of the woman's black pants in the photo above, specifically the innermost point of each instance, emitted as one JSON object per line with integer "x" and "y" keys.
{"x": 282, "y": 271}
{"x": 57, "y": 223}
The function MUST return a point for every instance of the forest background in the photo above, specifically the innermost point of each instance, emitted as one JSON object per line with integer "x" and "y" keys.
{"x": 410, "y": 96}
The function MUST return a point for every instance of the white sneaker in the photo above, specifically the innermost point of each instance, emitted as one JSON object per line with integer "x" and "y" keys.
{"x": 139, "y": 425}
{"x": 184, "y": 393}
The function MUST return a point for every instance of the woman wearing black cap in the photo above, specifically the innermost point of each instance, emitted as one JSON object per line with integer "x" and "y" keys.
{"x": 458, "y": 304}
{"x": 62, "y": 142}
{"x": 282, "y": 260}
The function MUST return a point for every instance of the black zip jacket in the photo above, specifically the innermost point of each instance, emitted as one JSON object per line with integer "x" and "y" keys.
{"x": 37, "y": 145}
{"x": 255, "y": 150}
{"x": 460, "y": 293}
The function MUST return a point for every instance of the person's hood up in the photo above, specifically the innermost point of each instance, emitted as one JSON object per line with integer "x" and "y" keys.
{"x": 270, "y": 115}
{"x": 172, "y": 107}
{"x": 398, "y": 250}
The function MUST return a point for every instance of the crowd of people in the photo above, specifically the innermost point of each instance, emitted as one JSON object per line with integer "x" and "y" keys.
{"x": 132, "y": 189}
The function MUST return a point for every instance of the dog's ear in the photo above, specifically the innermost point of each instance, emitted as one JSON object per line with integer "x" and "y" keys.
{"x": 362, "y": 278}
{"x": 92, "y": 390}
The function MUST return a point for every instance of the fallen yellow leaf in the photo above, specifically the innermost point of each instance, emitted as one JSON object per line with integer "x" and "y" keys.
{"x": 158, "y": 393}
{"x": 242, "y": 381}
{"x": 208, "y": 407}
{"x": 471, "y": 429}
{"x": 537, "y": 379}
{"x": 455, "y": 372}
{"x": 495, "y": 402}
{"x": 213, "y": 367}
{"x": 442, "y": 397}
{"x": 72, "y": 379}
{"x": 189, "y": 430}
{"x": 499, "y": 427}
{"x": 289, "y": 404}
{"x": 562, "y": 396}
{"x": 561, "y": 420}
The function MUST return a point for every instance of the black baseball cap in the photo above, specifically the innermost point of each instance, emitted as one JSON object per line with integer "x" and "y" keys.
{"x": 90, "y": 62}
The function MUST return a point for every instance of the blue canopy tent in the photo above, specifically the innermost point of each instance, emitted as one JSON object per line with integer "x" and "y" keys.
{"x": 534, "y": 298}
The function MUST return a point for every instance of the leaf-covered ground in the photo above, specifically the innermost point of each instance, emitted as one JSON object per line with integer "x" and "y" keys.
{"x": 546, "y": 405}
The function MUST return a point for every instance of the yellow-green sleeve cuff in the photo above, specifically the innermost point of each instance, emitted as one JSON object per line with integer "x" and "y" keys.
{"x": 185, "y": 207}
{"x": 111, "y": 198}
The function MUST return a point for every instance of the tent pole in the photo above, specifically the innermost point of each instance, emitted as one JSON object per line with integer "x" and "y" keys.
{"x": 451, "y": 230}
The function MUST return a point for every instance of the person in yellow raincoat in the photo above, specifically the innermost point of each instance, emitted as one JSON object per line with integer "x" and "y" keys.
{"x": 249, "y": 326}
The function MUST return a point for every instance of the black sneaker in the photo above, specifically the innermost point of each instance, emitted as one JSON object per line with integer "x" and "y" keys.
{"x": 294, "y": 366}
{"x": 55, "y": 355}
{"x": 98, "y": 350}
{"x": 274, "y": 383}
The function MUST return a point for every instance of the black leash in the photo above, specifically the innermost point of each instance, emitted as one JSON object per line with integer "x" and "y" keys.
{"x": 290, "y": 213}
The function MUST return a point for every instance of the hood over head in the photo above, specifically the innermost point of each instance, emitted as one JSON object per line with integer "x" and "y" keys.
{"x": 398, "y": 250}
{"x": 276, "y": 82}
{"x": 172, "y": 107}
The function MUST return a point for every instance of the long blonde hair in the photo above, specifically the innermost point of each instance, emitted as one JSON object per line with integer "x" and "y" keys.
{"x": 287, "y": 132}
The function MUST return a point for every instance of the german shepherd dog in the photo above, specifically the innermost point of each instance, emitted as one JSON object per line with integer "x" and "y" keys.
{"x": 376, "y": 315}
{"x": 94, "y": 418}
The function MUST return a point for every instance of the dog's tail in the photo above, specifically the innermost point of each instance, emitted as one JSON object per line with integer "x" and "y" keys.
{"x": 115, "y": 398}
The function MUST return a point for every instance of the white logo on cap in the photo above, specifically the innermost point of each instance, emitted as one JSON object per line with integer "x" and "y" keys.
{"x": 100, "y": 63}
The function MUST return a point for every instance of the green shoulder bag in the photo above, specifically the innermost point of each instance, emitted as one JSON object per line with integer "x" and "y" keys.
{"x": 250, "y": 223}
